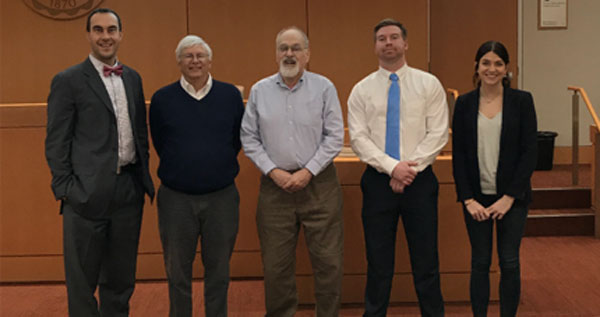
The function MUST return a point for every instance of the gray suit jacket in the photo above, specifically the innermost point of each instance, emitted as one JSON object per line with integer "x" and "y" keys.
{"x": 82, "y": 138}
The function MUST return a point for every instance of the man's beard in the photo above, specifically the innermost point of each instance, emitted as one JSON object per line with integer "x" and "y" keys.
{"x": 287, "y": 70}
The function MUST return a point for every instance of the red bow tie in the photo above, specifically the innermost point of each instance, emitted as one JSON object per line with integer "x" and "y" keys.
{"x": 117, "y": 70}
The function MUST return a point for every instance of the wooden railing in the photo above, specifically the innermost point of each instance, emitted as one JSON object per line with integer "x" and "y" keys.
{"x": 575, "y": 128}
{"x": 452, "y": 96}
{"x": 595, "y": 139}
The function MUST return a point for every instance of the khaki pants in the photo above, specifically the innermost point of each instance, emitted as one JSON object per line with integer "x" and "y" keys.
{"x": 318, "y": 209}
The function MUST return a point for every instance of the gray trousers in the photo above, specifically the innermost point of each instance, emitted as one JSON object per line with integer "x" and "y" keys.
{"x": 318, "y": 210}
{"x": 102, "y": 252}
{"x": 182, "y": 219}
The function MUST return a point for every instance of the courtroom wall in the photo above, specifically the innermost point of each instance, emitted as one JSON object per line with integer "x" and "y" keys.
{"x": 555, "y": 59}
{"x": 241, "y": 34}
{"x": 34, "y": 48}
{"x": 458, "y": 28}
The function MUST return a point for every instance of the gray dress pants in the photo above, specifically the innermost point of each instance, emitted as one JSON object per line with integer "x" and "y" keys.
{"x": 182, "y": 219}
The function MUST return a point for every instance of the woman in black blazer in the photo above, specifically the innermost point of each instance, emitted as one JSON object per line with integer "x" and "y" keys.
{"x": 494, "y": 139}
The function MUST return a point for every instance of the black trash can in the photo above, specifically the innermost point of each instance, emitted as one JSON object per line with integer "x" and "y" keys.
{"x": 545, "y": 156}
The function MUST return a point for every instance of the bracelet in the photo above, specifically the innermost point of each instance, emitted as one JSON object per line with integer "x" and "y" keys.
{"x": 468, "y": 201}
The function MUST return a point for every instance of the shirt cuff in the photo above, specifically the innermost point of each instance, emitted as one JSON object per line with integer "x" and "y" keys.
{"x": 266, "y": 168}
{"x": 313, "y": 167}
{"x": 389, "y": 164}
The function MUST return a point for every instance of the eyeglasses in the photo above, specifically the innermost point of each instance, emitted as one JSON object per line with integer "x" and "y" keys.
{"x": 190, "y": 57}
{"x": 295, "y": 48}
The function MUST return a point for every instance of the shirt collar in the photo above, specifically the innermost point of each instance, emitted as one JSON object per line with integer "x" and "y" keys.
{"x": 99, "y": 66}
{"x": 189, "y": 88}
{"x": 279, "y": 81}
{"x": 386, "y": 73}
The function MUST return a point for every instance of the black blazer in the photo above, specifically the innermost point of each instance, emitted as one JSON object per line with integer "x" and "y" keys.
{"x": 518, "y": 146}
{"x": 82, "y": 139}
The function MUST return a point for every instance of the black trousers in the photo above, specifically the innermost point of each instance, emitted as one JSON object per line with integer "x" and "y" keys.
{"x": 102, "y": 252}
{"x": 381, "y": 211}
{"x": 509, "y": 233}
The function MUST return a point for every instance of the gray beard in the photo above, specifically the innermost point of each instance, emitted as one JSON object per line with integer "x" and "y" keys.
{"x": 288, "y": 72}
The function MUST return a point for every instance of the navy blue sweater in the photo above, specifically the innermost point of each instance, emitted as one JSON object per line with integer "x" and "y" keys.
{"x": 197, "y": 141}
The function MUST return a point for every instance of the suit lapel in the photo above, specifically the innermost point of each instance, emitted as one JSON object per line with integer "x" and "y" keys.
{"x": 96, "y": 84}
{"x": 506, "y": 116}
{"x": 129, "y": 92}
{"x": 474, "y": 113}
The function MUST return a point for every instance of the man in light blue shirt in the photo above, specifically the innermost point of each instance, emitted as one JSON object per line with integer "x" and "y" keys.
{"x": 292, "y": 130}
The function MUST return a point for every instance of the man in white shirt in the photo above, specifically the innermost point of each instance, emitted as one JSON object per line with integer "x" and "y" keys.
{"x": 398, "y": 122}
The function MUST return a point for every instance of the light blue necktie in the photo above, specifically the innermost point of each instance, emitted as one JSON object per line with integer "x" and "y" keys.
{"x": 392, "y": 126}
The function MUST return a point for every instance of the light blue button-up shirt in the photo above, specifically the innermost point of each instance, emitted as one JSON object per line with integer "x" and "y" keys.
{"x": 295, "y": 128}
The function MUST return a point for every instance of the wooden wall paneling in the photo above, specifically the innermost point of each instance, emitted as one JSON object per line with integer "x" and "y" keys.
{"x": 151, "y": 31}
{"x": 242, "y": 35}
{"x": 34, "y": 48}
{"x": 30, "y": 235}
{"x": 341, "y": 38}
{"x": 454, "y": 247}
{"x": 26, "y": 201}
{"x": 458, "y": 28}
{"x": 149, "y": 238}
{"x": 355, "y": 258}
{"x": 33, "y": 268}
{"x": 247, "y": 182}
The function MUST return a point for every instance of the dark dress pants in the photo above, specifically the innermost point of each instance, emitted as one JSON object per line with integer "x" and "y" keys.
{"x": 381, "y": 211}
{"x": 509, "y": 233}
{"x": 102, "y": 252}
{"x": 182, "y": 220}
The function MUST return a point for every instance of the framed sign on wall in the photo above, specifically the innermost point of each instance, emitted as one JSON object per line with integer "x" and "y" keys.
{"x": 552, "y": 14}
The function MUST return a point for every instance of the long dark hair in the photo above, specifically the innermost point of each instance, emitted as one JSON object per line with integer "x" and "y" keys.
{"x": 499, "y": 49}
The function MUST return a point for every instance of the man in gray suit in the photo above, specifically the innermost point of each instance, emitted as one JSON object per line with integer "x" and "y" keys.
{"x": 97, "y": 150}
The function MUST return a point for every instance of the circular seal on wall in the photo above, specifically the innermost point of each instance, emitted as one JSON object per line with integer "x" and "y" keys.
{"x": 62, "y": 9}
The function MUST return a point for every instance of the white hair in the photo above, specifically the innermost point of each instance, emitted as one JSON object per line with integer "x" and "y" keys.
{"x": 189, "y": 41}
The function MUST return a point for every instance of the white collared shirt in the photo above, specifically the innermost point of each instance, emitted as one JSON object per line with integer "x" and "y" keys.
{"x": 423, "y": 118}
{"x": 189, "y": 88}
{"x": 116, "y": 91}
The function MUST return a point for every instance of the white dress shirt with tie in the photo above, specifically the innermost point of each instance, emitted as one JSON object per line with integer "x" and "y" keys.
{"x": 116, "y": 91}
{"x": 423, "y": 118}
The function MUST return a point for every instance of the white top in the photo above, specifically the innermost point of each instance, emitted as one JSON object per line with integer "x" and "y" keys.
{"x": 488, "y": 150}
{"x": 116, "y": 91}
{"x": 423, "y": 118}
{"x": 198, "y": 95}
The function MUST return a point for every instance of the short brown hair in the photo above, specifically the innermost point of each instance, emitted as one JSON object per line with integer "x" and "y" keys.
{"x": 388, "y": 22}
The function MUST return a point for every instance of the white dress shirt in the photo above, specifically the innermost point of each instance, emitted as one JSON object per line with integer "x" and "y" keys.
{"x": 198, "y": 95}
{"x": 423, "y": 118}
{"x": 116, "y": 91}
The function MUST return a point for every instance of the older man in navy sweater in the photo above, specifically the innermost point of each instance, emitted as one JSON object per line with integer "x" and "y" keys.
{"x": 195, "y": 127}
